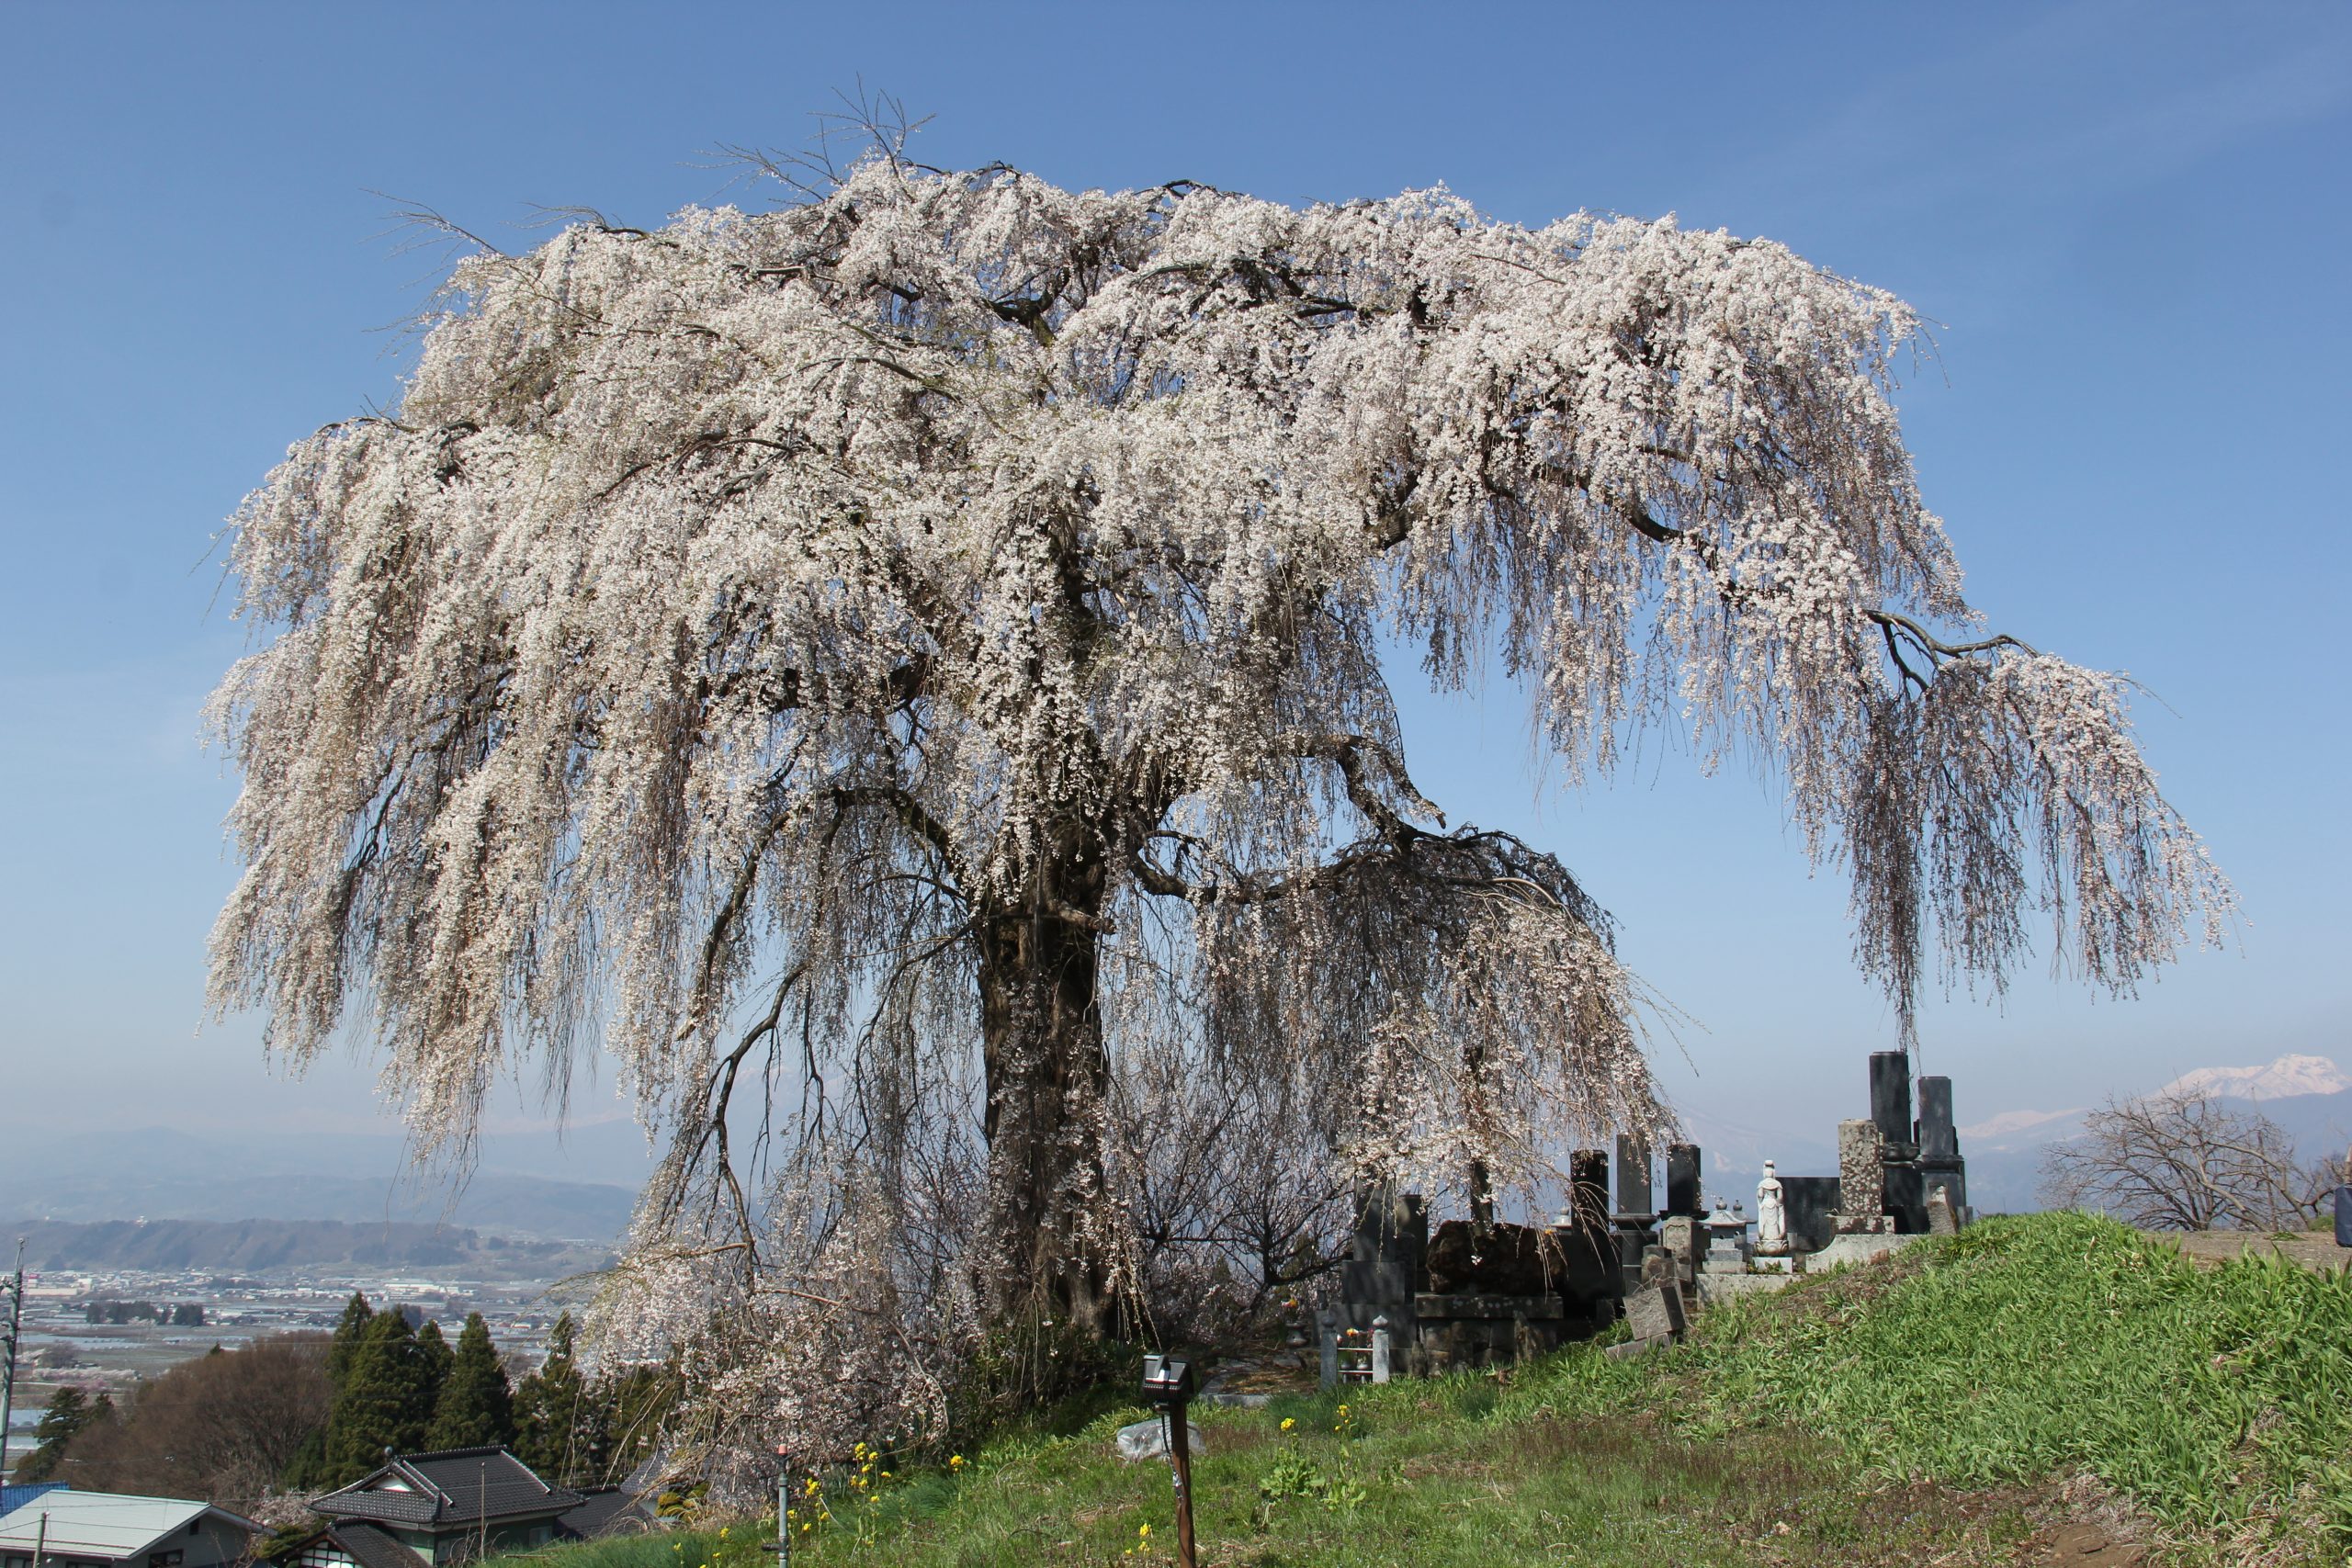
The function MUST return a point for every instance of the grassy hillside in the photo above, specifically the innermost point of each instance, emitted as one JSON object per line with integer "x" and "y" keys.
{"x": 1961, "y": 1405}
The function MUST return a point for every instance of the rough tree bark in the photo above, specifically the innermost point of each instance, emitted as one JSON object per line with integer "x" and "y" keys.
{"x": 1047, "y": 1072}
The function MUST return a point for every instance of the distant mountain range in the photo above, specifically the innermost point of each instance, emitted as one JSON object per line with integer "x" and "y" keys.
{"x": 253, "y": 1246}
{"x": 164, "y": 1174}
{"x": 2288, "y": 1077}
{"x": 2309, "y": 1097}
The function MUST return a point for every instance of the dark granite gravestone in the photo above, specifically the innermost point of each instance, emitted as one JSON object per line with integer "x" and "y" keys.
{"x": 2344, "y": 1216}
{"x": 1591, "y": 1282}
{"x": 1636, "y": 1208}
{"x": 1588, "y": 1186}
{"x": 1811, "y": 1201}
{"x": 1941, "y": 1168}
{"x": 1386, "y": 1259}
{"x": 1891, "y": 1100}
{"x": 1682, "y": 1181}
{"x": 1498, "y": 1260}
{"x": 1938, "y": 1139}
{"x": 1634, "y": 1190}
{"x": 1906, "y": 1197}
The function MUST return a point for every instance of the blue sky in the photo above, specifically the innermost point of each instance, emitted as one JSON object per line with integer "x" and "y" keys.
{"x": 2130, "y": 221}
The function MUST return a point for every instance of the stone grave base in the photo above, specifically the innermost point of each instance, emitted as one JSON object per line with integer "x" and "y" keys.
{"x": 1857, "y": 1249}
{"x": 1714, "y": 1287}
{"x": 1458, "y": 1331}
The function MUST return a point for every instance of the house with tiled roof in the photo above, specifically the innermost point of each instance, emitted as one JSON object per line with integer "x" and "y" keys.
{"x": 435, "y": 1509}
{"x": 71, "y": 1528}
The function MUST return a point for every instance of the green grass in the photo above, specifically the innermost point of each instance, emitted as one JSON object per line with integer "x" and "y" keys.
{"x": 2036, "y": 1346}
{"x": 1912, "y": 1412}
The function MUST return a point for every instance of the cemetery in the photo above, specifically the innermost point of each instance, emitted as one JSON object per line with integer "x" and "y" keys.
{"x": 1473, "y": 1293}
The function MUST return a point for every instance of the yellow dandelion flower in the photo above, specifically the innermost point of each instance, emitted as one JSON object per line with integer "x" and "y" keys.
{"x": 955, "y": 1461}
{"x": 1144, "y": 1531}
{"x": 1288, "y": 1422}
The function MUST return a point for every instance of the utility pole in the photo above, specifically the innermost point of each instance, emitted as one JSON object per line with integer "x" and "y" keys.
{"x": 16, "y": 1288}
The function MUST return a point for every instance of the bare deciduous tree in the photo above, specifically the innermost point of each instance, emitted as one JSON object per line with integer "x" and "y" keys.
{"x": 2186, "y": 1161}
{"x": 916, "y": 654}
{"x": 224, "y": 1425}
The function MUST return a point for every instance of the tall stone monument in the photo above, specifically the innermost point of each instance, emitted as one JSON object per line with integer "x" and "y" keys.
{"x": 1941, "y": 1168}
{"x": 1637, "y": 1210}
{"x": 1387, "y": 1258}
{"x": 1861, "y": 1181}
{"x": 1683, "y": 1195}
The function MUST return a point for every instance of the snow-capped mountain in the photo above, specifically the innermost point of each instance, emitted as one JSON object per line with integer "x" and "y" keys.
{"x": 2282, "y": 1079}
{"x": 2009, "y": 1123}
{"x": 2309, "y": 1097}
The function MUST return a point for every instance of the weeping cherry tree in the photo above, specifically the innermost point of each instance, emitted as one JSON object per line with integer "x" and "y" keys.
{"x": 916, "y": 651}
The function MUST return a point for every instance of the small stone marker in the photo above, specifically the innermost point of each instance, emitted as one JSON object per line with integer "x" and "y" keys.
{"x": 1655, "y": 1312}
{"x": 1680, "y": 1236}
{"x": 1941, "y": 1221}
{"x": 1726, "y": 1241}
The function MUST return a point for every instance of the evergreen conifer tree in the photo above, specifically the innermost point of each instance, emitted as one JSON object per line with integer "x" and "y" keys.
{"x": 385, "y": 1400}
{"x": 434, "y": 1359}
{"x": 547, "y": 1410}
{"x": 476, "y": 1407}
{"x": 68, "y": 1411}
{"x": 347, "y": 1329}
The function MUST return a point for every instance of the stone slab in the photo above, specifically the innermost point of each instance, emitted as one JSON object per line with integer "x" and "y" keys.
{"x": 1545, "y": 1308}
{"x": 1714, "y": 1287}
{"x": 1655, "y": 1312}
{"x": 1847, "y": 1249}
{"x": 1633, "y": 1348}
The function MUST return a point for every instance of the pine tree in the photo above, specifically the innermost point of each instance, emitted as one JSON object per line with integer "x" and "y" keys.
{"x": 548, "y": 1408}
{"x": 476, "y": 1407}
{"x": 385, "y": 1400}
{"x": 68, "y": 1411}
{"x": 434, "y": 1359}
{"x": 347, "y": 1330}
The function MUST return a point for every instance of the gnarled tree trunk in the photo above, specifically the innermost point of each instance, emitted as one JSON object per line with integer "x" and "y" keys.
{"x": 1047, "y": 1076}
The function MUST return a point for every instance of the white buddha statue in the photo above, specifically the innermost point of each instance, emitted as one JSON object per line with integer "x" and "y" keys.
{"x": 1771, "y": 1216}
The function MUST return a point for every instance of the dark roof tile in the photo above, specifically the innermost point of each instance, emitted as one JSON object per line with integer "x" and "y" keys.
{"x": 448, "y": 1487}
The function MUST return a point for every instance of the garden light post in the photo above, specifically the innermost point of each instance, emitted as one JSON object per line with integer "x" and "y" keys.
{"x": 1168, "y": 1384}
{"x": 783, "y": 1547}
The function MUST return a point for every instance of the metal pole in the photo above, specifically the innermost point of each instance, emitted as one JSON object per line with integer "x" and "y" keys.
{"x": 1180, "y": 1452}
{"x": 783, "y": 1547}
{"x": 8, "y": 1355}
